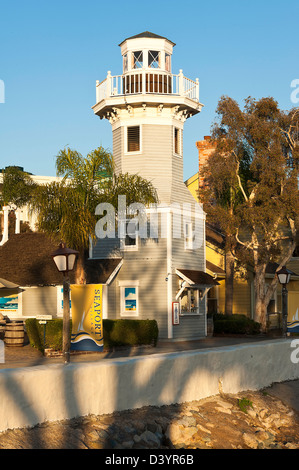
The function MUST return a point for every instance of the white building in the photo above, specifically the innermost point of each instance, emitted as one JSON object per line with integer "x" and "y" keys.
{"x": 158, "y": 277}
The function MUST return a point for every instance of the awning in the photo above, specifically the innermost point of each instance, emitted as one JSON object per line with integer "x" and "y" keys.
{"x": 197, "y": 278}
{"x": 213, "y": 269}
{"x": 8, "y": 288}
{"x": 4, "y": 284}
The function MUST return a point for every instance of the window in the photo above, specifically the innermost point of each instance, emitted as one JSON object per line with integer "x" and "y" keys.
{"x": 129, "y": 300}
{"x": 167, "y": 63}
{"x": 177, "y": 141}
{"x": 133, "y": 139}
{"x": 188, "y": 233}
{"x": 189, "y": 301}
{"x": 154, "y": 59}
{"x": 137, "y": 60}
{"x": 130, "y": 241}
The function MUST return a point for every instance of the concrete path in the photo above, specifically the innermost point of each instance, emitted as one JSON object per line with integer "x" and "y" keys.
{"x": 27, "y": 356}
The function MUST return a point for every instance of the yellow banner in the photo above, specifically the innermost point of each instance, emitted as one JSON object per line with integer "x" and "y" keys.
{"x": 293, "y": 312}
{"x": 87, "y": 318}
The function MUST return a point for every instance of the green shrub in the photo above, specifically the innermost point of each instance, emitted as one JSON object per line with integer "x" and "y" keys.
{"x": 130, "y": 332}
{"x": 235, "y": 324}
{"x": 116, "y": 333}
{"x": 32, "y": 330}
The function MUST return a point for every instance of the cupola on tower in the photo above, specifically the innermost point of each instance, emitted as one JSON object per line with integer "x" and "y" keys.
{"x": 147, "y": 106}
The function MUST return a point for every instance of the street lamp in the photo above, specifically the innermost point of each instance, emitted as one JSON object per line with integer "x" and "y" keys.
{"x": 284, "y": 276}
{"x": 64, "y": 259}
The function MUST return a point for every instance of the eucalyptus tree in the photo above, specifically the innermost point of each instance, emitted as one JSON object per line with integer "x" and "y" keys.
{"x": 251, "y": 186}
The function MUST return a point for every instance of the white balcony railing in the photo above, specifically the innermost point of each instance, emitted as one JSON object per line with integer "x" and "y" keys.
{"x": 144, "y": 82}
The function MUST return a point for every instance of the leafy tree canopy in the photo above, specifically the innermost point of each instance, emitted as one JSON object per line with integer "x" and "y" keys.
{"x": 251, "y": 181}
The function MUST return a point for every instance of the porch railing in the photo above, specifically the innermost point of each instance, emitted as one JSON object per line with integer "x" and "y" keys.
{"x": 145, "y": 82}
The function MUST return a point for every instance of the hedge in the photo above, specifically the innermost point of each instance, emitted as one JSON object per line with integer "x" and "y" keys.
{"x": 116, "y": 333}
{"x": 235, "y": 324}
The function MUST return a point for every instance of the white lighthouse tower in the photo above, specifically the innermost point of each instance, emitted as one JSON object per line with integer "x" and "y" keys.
{"x": 147, "y": 106}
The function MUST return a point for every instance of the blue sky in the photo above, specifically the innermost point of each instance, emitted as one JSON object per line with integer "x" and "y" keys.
{"x": 52, "y": 53}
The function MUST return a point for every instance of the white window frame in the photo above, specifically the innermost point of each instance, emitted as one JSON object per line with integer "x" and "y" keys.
{"x": 150, "y": 56}
{"x": 141, "y": 53}
{"x": 128, "y": 285}
{"x": 124, "y": 246}
{"x": 126, "y": 151}
{"x": 175, "y": 128}
{"x": 196, "y": 290}
{"x": 188, "y": 235}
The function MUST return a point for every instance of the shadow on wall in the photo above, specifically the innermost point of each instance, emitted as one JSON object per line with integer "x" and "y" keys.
{"x": 130, "y": 383}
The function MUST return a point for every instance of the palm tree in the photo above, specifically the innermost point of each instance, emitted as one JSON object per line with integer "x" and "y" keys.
{"x": 66, "y": 209}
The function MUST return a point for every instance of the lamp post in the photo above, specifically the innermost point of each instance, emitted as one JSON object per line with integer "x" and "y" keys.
{"x": 64, "y": 259}
{"x": 284, "y": 276}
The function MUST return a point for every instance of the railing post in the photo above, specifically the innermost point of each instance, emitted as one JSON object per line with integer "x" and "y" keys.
{"x": 197, "y": 89}
{"x": 108, "y": 90}
{"x": 181, "y": 83}
{"x": 144, "y": 82}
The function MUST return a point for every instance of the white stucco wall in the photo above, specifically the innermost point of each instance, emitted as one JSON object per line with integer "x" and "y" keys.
{"x": 32, "y": 395}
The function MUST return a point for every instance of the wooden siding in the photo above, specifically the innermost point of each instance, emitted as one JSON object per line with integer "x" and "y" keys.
{"x": 117, "y": 138}
{"x": 106, "y": 248}
{"x": 156, "y": 161}
{"x": 152, "y": 290}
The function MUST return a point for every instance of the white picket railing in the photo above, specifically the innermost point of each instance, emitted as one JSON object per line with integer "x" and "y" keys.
{"x": 144, "y": 82}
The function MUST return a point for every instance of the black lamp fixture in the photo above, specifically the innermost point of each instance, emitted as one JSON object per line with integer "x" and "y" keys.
{"x": 64, "y": 259}
{"x": 284, "y": 277}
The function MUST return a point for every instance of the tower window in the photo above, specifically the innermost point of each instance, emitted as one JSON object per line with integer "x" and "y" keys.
{"x": 154, "y": 59}
{"x": 137, "y": 60}
{"x": 177, "y": 141}
{"x": 133, "y": 139}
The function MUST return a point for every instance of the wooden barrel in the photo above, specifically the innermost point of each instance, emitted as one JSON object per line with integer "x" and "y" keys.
{"x": 14, "y": 334}
{"x": 2, "y": 328}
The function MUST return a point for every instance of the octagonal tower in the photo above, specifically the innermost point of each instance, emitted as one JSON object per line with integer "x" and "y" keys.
{"x": 147, "y": 106}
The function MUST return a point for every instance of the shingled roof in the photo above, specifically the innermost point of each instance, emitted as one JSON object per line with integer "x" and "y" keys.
{"x": 25, "y": 259}
{"x": 147, "y": 34}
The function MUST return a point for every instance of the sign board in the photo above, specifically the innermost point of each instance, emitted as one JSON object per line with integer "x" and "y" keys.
{"x": 87, "y": 317}
{"x": 175, "y": 313}
{"x": 44, "y": 317}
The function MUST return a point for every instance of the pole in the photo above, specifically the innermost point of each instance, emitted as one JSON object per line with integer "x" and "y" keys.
{"x": 284, "y": 310}
{"x": 66, "y": 319}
